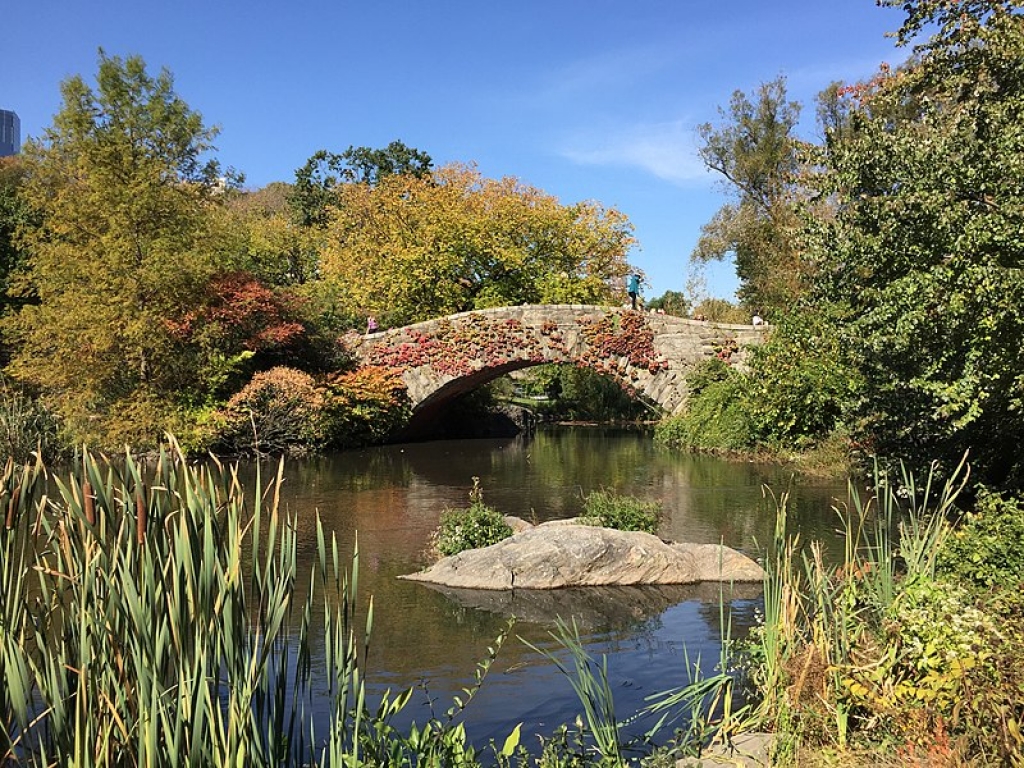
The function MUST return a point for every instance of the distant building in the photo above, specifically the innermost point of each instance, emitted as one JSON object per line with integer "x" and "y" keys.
{"x": 10, "y": 133}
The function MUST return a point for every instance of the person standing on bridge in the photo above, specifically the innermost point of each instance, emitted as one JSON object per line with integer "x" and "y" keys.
{"x": 633, "y": 288}
{"x": 371, "y": 324}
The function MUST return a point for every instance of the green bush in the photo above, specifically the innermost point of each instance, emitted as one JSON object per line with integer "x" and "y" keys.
{"x": 987, "y": 550}
{"x": 363, "y": 407}
{"x": 471, "y": 528}
{"x": 801, "y": 383}
{"x": 624, "y": 513}
{"x": 717, "y": 414}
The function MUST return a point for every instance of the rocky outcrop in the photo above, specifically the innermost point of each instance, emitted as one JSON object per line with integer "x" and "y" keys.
{"x": 553, "y": 555}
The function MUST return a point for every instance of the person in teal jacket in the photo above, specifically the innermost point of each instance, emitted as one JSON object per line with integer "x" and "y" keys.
{"x": 633, "y": 288}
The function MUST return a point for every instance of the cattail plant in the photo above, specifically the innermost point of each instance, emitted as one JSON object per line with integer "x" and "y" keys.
{"x": 150, "y": 615}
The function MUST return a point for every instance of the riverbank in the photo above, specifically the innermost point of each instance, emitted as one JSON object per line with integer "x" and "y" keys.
{"x": 910, "y": 648}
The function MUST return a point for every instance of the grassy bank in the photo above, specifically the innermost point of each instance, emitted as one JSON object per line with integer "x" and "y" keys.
{"x": 909, "y": 651}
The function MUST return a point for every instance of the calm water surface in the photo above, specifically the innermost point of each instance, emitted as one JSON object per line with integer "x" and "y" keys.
{"x": 393, "y": 496}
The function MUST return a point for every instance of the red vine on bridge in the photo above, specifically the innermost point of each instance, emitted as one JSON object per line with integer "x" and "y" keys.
{"x": 472, "y": 345}
{"x": 617, "y": 343}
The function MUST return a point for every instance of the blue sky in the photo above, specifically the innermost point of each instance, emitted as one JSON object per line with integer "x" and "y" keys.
{"x": 585, "y": 99}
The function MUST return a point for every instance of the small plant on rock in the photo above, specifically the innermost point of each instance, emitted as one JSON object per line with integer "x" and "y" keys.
{"x": 624, "y": 513}
{"x": 471, "y": 528}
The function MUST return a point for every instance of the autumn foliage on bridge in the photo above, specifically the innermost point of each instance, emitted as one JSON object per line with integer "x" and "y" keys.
{"x": 614, "y": 343}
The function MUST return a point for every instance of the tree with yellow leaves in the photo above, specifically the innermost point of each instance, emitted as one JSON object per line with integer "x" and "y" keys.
{"x": 414, "y": 247}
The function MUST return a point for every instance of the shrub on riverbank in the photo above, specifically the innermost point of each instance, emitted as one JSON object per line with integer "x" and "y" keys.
{"x": 284, "y": 410}
{"x": 717, "y": 416}
{"x": 885, "y": 653}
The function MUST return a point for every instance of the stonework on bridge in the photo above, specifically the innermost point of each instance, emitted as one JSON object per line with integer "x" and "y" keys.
{"x": 440, "y": 360}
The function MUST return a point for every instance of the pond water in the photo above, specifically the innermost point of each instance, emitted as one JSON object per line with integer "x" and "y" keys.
{"x": 392, "y": 498}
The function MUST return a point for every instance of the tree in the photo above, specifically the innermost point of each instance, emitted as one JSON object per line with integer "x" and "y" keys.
{"x": 369, "y": 166}
{"x": 672, "y": 302}
{"x": 15, "y": 216}
{"x": 412, "y": 248}
{"x": 123, "y": 189}
{"x": 754, "y": 149}
{"x": 316, "y": 182}
{"x": 276, "y": 249}
{"x": 924, "y": 243}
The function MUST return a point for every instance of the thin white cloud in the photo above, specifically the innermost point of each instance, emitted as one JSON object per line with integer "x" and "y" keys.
{"x": 666, "y": 150}
{"x": 608, "y": 72}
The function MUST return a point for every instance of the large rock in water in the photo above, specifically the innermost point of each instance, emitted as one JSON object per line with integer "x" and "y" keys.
{"x": 553, "y": 555}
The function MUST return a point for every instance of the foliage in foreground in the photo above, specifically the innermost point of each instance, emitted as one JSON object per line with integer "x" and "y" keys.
{"x": 26, "y": 426}
{"x": 153, "y": 615}
{"x": 886, "y": 652}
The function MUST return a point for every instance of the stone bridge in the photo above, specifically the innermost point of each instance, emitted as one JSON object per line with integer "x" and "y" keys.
{"x": 650, "y": 354}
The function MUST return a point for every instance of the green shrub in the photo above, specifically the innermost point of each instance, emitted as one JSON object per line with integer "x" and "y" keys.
{"x": 471, "y": 528}
{"x": 987, "y": 550}
{"x": 624, "y": 513}
{"x": 801, "y": 382}
{"x": 363, "y": 407}
{"x": 717, "y": 414}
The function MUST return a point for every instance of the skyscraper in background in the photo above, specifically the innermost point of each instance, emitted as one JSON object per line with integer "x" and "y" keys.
{"x": 10, "y": 133}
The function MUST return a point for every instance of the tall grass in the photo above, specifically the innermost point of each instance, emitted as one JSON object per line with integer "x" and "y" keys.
{"x": 26, "y": 426}
{"x": 704, "y": 706}
{"x": 826, "y": 624}
{"x": 150, "y": 615}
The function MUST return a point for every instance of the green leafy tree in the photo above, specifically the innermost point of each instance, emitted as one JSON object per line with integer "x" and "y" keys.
{"x": 123, "y": 191}
{"x": 672, "y": 303}
{"x": 274, "y": 247}
{"x": 15, "y": 216}
{"x": 802, "y": 385}
{"x": 369, "y": 166}
{"x": 317, "y": 180}
{"x": 756, "y": 152}
{"x": 925, "y": 239}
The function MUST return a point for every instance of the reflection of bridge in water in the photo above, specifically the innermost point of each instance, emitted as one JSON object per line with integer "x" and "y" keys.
{"x": 441, "y": 360}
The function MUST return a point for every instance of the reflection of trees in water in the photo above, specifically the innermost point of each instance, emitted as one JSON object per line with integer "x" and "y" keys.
{"x": 710, "y": 500}
{"x": 393, "y": 497}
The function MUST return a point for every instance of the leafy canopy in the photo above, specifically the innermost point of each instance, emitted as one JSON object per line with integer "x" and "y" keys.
{"x": 317, "y": 180}
{"x": 925, "y": 239}
{"x": 411, "y": 248}
{"x": 122, "y": 186}
{"x": 755, "y": 151}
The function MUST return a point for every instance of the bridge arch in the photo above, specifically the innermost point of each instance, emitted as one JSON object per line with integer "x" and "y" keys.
{"x": 441, "y": 360}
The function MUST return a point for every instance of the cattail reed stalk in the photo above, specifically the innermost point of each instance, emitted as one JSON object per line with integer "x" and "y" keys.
{"x": 12, "y": 507}
{"x": 140, "y": 516}
{"x": 88, "y": 503}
